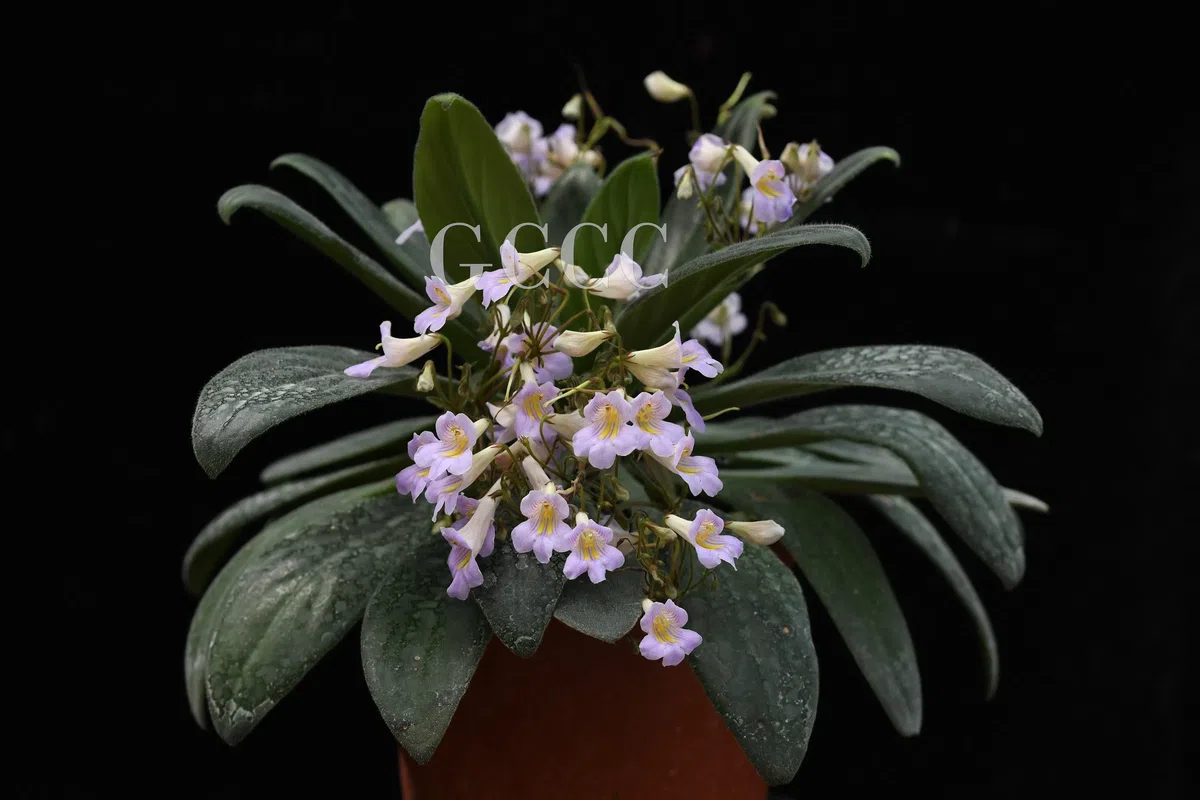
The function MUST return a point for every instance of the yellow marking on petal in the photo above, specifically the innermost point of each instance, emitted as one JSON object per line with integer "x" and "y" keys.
{"x": 533, "y": 406}
{"x": 466, "y": 559}
{"x": 662, "y": 629}
{"x": 645, "y": 422}
{"x": 707, "y": 531}
{"x": 611, "y": 424}
{"x": 589, "y": 546}
{"x": 461, "y": 442}
{"x": 764, "y": 184}
{"x": 546, "y": 518}
{"x": 442, "y": 296}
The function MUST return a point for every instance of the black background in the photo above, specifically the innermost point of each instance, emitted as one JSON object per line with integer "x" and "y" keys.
{"x": 1040, "y": 220}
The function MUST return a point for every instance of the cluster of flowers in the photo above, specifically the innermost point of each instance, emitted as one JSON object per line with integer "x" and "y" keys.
{"x": 543, "y": 159}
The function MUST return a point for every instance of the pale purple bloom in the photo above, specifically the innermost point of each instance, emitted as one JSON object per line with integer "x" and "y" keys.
{"x": 493, "y": 339}
{"x": 550, "y": 366}
{"x": 465, "y": 572}
{"x": 503, "y": 431}
{"x": 707, "y": 156}
{"x": 456, "y": 435}
{"x": 467, "y": 506}
{"x": 530, "y": 411}
{"x": 521, "y": 136}
{"x": 745, "y": 209}
{"x": 724, "y": 321}
{"x": 545, "y": 514}
{"x": 443, "y": 493}
{"x": 413, "y": 479}
{"x": 807, "y": 170}
{"x": 590, "y": 551}
{"x": 623, "y": 279}
{"x": 407, "y": 233}
{"x": 447, "y": 301}
{"x": 396, "y": 352}
{"x": 514, "y": 271}
{"x": 693, "y": 355}
{"x": 649, "y": 421}
{"x": 562, "y": 147}
{"x": 773, "y": 198}
{"x": 679, "y": 397}
{"x": 704, "y": 534}
{"x": 610, "y": 431}
{"x": 698, "y": 472}
{"x": 665, "y": 636}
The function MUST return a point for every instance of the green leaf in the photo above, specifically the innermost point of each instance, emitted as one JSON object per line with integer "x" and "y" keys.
{"x": 463, "y": 174}
{"x": 401, "y": 214}
{"x": 368, "y": 216}
{"x": 822, "y": 475}
{"x": 757, "y": 661}
{"x": 844, "y": 171}
{"x": 266, "y": 387}
{"x": 388, "y": 439}
{"x": 956, "y": 483}
{"x": 606, "y": 610}
{"x": 628, "y": 197}
{"x": 518, "y": 596}
{"x": 568, "y": 200}
{"x": 304, "y": 586}
{"x": 218, "y": 537}
{"x": 420, "y": 649}
{"x": 647, "y": 320}
{"x": 840, "y": 564}
{"x": 200, "y": 634}
{"x": 917, "y": 528}
{"x": 684, "y": 219}
{"x": 954, "y": 378}
{"x": 308, "y": 228}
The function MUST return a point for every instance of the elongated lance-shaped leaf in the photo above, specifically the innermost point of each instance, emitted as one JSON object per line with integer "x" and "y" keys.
{"x": 388, "y": 439}
{"x": 518, "y": 596}
{"x": 841, "y": 566}
{"x": 366, "y": 214}
{"x": 266, "y": 387}
{"x": 956, "y": 483}
{"x": 373, "y": 275}
{"x": 648, "y": 319}
{"x": 607, "y": 610}
{"x": 568, "y": 200}
{"x": 462, "y": 175}
{"x": 401, "y": 213}
{"x": 954, "y": 378}
{"x": 628, "y": 197}
{"x": 303, "y": 587}
{"x": 757, "y": 663}
{"x": 844, "y": 171}
{"x": 420, "y": 649}
{"x": 917, "y": 528}
{"x": 218, "y": 537}
{"x": 684, "y": 219}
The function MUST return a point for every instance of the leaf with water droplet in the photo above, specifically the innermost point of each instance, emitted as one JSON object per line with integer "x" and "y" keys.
{"x": 519, "y": 595}
{"x": 607, "y": 610}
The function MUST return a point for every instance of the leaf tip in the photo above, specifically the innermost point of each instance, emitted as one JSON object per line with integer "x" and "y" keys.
{"x": 445, "y": 99}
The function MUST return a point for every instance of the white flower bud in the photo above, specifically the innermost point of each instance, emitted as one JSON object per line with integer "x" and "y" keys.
{"x": 763, "y": 531}
{"x": 580, "y": 343}
{"x": 573, "y": 108}
{"x": 663, "y": 89}
{"x": 425, "y": 382}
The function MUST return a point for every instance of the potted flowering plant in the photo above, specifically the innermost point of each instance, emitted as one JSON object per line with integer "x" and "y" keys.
{"x": 570, "y": 506}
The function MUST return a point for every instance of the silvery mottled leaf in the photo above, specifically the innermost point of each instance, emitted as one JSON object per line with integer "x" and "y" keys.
{"x": 389, "y": 439}
{"x": 518, "y": 596}
{"x": 648, "y": 319}
{"x": 218, "y": 537}
{"x": 420, "y": 649}
{"x": 954, "y": 378}
{"x": 757, "y": 661}
{"x": 304, "y": 585}
{"x": 841, "y": 566}
{"x": 917, "y": 528}
{"x": 607, "y": 610}
{"x": 266, "y": 387}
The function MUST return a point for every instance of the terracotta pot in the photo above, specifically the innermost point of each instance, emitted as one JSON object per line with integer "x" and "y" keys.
{"x": 583, "y": 719}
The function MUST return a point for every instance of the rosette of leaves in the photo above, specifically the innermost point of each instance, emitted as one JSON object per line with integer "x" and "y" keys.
{"x": 286, "y": 573}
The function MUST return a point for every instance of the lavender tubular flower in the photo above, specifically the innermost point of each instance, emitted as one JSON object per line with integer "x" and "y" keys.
{"x": 698, "y": 472}
{"x": 396, "y": 352}
{"x": 456, "y": 435}
{"x": 447, "y": 300}
{"x": 545, "y": 523}
{"x": 649, "y": 421}
{"x": 609, "y": 432}
{"x": 666, "y": 637}
{"x": 704, "y": 534}
{"x": 591, "y": 551}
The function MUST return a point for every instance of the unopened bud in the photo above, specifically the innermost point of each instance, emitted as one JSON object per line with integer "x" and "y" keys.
{"x": 425, "y": 381}
{"x": 574, "y": 107}
{"x": 663, "y": 89}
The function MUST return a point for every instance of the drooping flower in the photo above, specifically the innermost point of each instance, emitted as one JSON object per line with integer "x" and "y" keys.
{"x": 649, "y": 420}
{"x": 515, "y": 268}
{"x": 545, "y": 523}
{"x": 407, "y": 233}
{"x": 445, "y": 491}
{"x": 698, "y": 472}
{"x": 396, "y": 352}
{"x": 663, "y": 88}
{"x": 704, "y": 534}
{"x": 610, "y": 430}
{"x": 521, "y": 136}
{"x": 806, "y": 163}
{"x": 579, "y": 343}
{"x": 622, "y": 279}
{"x": 656, "y": 367}
{"x": 531, "y": 410}
{"x": 693, "y": 355}
{"x": 447, "y": 300}
{"x": 502, "y": 431}
{"x": 590, "y": 548}
{"x": 665, "y": 635}
{"x": 679, "y": 397}
{"x": 723, "y": 322}
{"x": 761, "y": 531}
{"x": 467, "y": 507}
{"x": 773, "y": 198}
{"x": 708, "y": 155}
{"x": 493, "y": 339}
{"x": 550, "y": 364}
{"x": 413, "y": 479}
{"x": 467, "y": 542}
{"x": 456, "y": 435}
